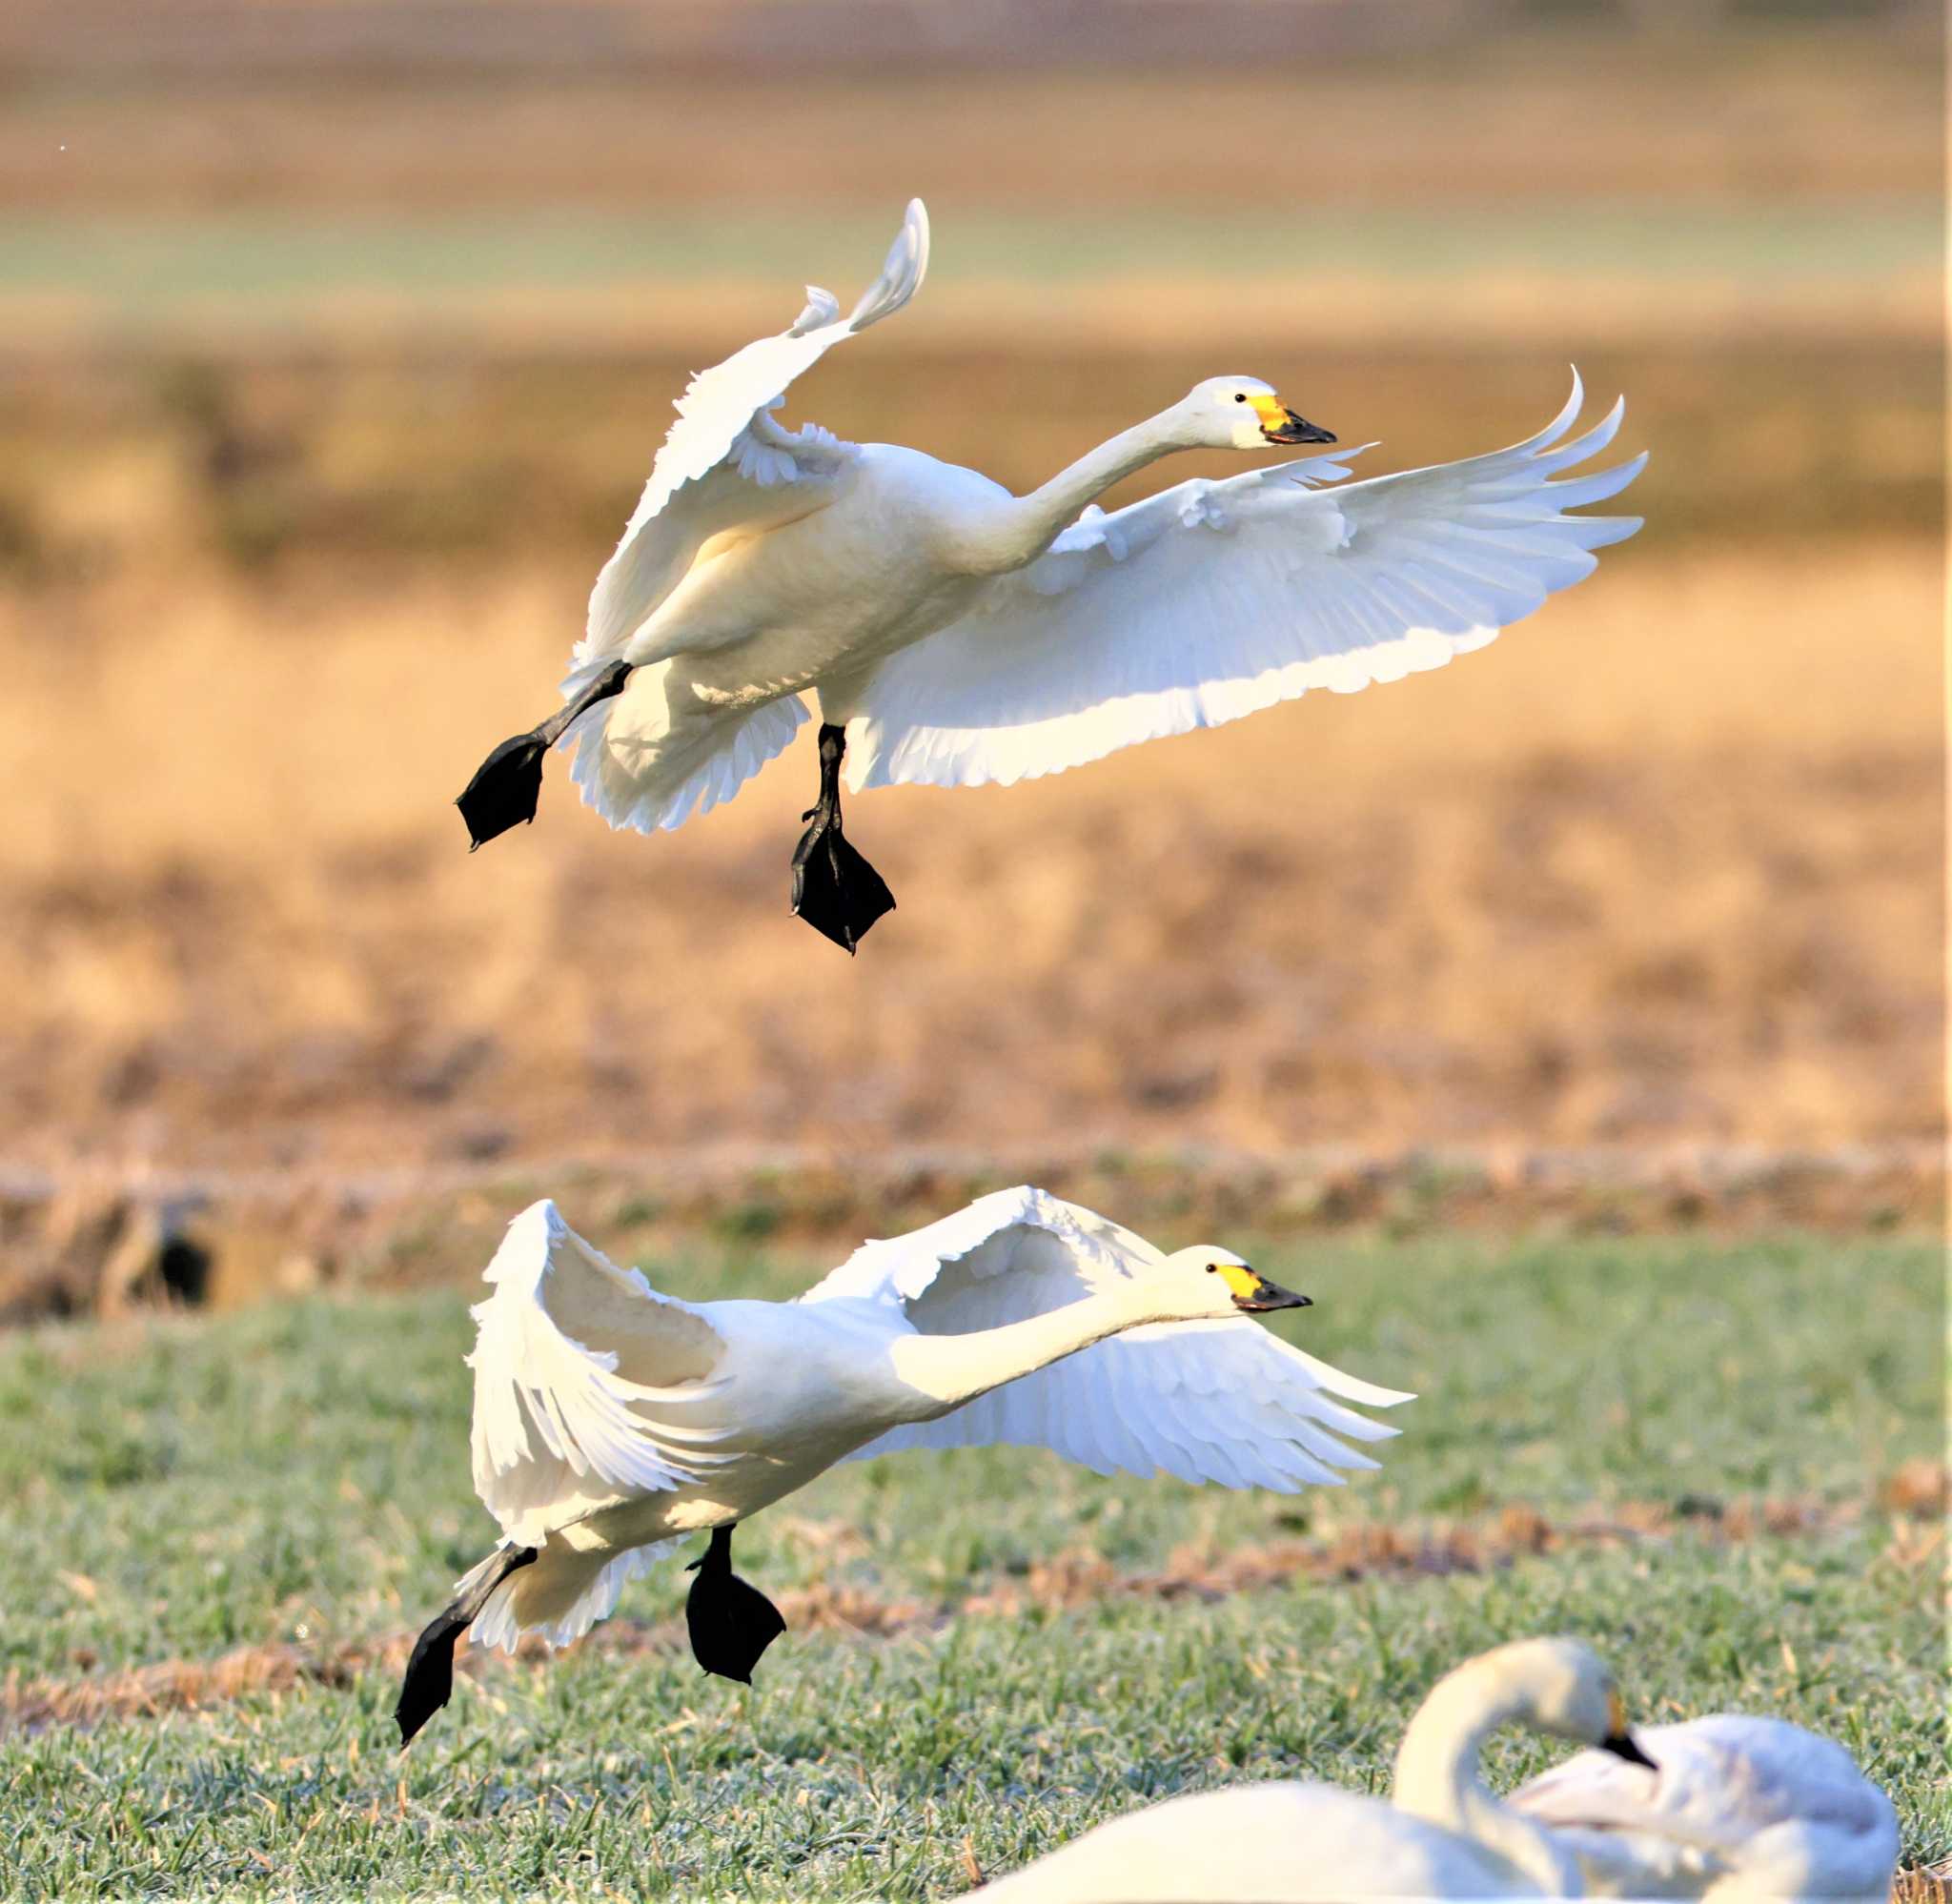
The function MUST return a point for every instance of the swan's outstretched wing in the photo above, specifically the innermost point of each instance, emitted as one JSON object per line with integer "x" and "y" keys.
{"x": 1207, "y": 1401}
{"x": 1216, "y": 599}
{"x": 583, "y": 1377}
{"x": 725, "y": 463}
{"x": 1786, "y": 1809}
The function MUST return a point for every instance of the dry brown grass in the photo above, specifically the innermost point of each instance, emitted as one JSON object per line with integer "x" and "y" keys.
{"x": 1675, "y": 118}
{"x": 1663, "y": 865}
{"x": 1662, "y": 868}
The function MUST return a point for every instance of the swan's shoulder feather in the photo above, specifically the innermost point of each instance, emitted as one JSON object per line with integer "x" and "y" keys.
{"x": 571, "y": 1357}
{"x": 725, "y": 463}
{"x": 1756, "y": 1796}
{"x": 1222, "y": 1401}
{"x": 1052, "y": 1252}
{"x": 1214, "y": 600}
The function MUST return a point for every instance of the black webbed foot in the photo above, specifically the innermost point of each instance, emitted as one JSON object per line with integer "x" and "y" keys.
{"x": 504, "y": 790}
{"x": 429, "y": 1679}
{"x": 509, "y": 783}
{"x": 835, "y": 890}
{"x": 731, "y": 1621}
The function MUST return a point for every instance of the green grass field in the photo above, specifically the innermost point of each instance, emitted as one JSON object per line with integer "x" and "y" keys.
{"x": 297, "y": 1477}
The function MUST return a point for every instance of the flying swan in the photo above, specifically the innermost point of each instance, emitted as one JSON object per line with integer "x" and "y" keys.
{"x": 610, "y": 1420}
{"x": 1742, "y": 1809}
{"x": 1287, "y": 1840}
{"x": 956, "y": 633}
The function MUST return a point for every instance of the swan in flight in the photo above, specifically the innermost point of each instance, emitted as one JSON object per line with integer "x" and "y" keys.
{"x": 1742, "y": 1809}
{"x": 1290, "y": 1840}
{"x": 610, "y": 1420}
{"x": 956, "y": 633}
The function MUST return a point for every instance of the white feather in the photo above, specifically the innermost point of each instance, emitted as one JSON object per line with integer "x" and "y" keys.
{"x": 1207, "y": 1400}
{"x": 1216, "y": 599}
{"x": 715, "y": 415}
{"x": 1759, "y": 1806}
{"x": 557, "y": 1428}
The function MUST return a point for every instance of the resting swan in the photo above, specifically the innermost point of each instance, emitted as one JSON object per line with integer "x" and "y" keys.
{"x": 1288, "y": 1841}
{"x": 1742, "y": 1809}
{"x": 610, "y": 1420}
{"x": 956, "y": 633}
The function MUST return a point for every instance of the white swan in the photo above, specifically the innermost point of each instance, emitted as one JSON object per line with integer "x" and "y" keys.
{"x": 956, "y": 633}
{"x": 609, "y": 1419}
{"x": 1288, "y": 1841}
{"x": 1740, "y": 1809}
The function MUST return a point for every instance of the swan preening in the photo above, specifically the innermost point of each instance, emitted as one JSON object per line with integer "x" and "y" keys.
{"x": 1722, "y": 1809}
{"x": 1741, "y": 1808}
{"x": 956, "y": 633}
{"x": 610, "y": 1420}
{"x": 1444, "y": 1836}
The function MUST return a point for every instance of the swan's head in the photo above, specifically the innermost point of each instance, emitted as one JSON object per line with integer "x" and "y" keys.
{"x": 1213, "y": 1285}
{"x": 1563, "y": 1686}
{"x": 1242, "y": 413}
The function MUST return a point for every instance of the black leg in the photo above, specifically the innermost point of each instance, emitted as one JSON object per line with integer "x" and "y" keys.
{"x": 509, "y": 783}
{"x": 731, "y": 1622}
{"x": 430, "y": 1666}
{"x": 835, "y": 890}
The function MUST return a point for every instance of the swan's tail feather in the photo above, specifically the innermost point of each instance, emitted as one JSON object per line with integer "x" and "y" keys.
{"x": 654, "y": 755}
{"x": 561, "y": 1597}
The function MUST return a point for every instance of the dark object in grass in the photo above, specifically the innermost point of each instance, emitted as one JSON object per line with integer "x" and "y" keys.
{"x": 429, "y": 1679}
{"x": 509, "y": 783}
{"x": 731, "y": 1621}
{"x": 835, "y": 890}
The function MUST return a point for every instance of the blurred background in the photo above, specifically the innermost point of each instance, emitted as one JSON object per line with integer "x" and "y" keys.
{"x": 337, "y": 338}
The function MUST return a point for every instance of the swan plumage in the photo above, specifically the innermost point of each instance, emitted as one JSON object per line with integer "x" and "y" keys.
{"x": 610, "y": 1420}
{"x": 1283, "y": 1842}
{"x": 1287, "y": 1840}
{"x": 1741, "y": 1808}
{"x": 955, "y": 634}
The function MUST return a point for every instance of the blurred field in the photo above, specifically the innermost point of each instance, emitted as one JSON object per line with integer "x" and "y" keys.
{"x": 323, "y": 392}
{"x": 217, "y": 1536}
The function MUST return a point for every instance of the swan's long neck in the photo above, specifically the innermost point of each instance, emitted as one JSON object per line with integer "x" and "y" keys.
{"x": 1021, "y": 530}
{"x": 1437, "y": 1777}
{"x": 946, "y": 1371}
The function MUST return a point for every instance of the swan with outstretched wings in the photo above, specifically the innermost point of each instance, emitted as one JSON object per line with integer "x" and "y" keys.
{"x": 610, "y": 1421}
{"x": 956, "y": 633}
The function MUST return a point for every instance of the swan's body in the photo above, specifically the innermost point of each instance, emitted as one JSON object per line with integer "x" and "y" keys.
{"x": 955, "y": 634}
{"x": 1284, "y": 1842}
{"x": 1290, "y": 1840}
{"x": 609, "y": 1420}
{"x": 1742, "y": 1809}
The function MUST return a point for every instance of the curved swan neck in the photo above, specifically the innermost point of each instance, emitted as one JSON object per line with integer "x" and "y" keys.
{"x": 1437, "y": 1777}
{"x": 1027, "y": 525}
{"x": 947, "y": 1371}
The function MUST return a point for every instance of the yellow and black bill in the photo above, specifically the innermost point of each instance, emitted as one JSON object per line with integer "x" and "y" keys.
{"x": 1279, "y": 424}
{"x": 1253, "y": 1292}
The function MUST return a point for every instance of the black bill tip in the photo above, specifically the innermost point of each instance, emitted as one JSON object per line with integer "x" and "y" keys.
{"x": 1624, "y": 1745}
{"x": 1297, "y": 430}
{"x": 1266, "y": 1296}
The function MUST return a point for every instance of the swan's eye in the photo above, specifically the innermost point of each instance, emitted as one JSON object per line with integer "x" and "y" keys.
{"x": 1240, "y": 396}
{"x": 1212, "y": 1268}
